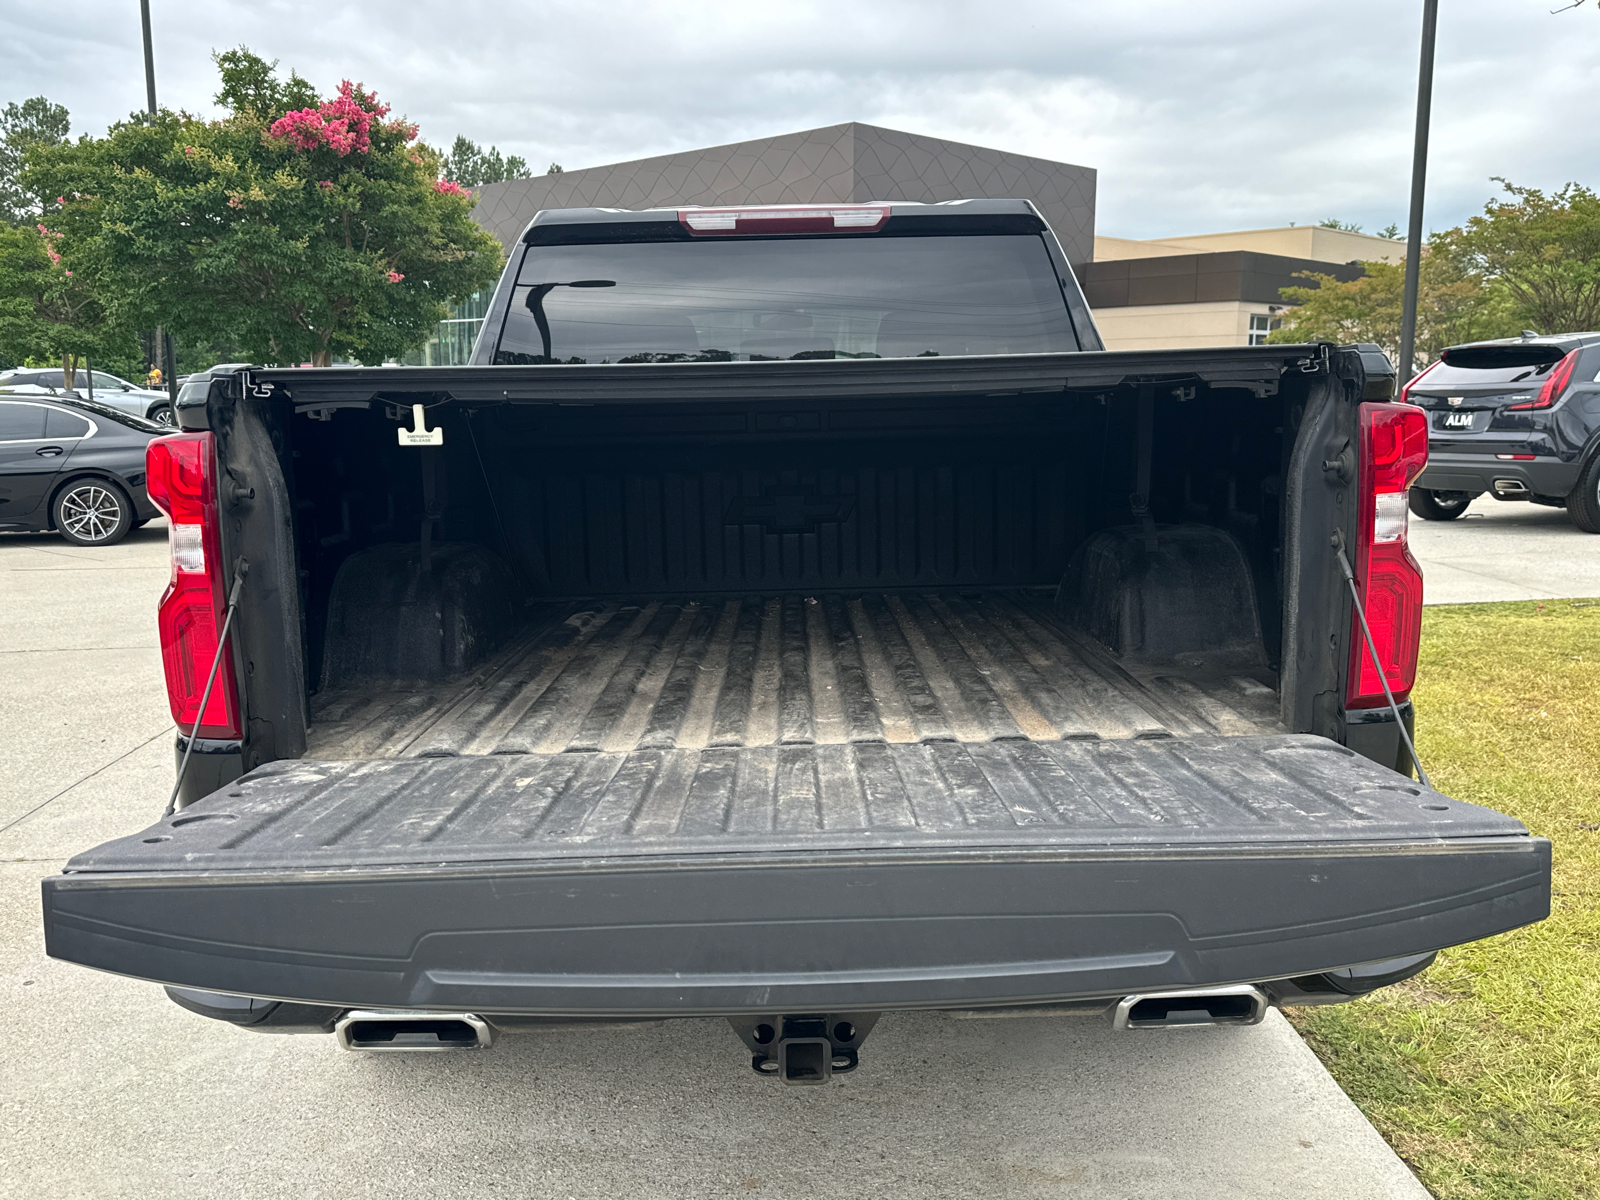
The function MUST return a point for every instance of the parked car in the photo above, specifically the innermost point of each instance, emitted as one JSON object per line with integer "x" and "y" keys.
{"x": 1518, "y": 418}
{"x": 109, "y": 390}
{"x": 73, "y": 466}
{"x": 798, "y": 615}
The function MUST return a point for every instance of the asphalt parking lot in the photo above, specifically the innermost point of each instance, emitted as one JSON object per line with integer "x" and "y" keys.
{"x": 109, "y": 1090}
{"x": 1505, "y": 550}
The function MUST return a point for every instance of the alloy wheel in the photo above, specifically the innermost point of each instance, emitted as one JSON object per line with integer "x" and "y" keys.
{"x": 91, "y": 512}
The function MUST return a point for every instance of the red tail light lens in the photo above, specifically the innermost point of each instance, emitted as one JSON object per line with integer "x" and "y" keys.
{"x": 1405, "y": 392}
{"x": 182, "y": 480}
{"x": 819, "y": 218}
{"x": 1554, "y": 386}
{"x": 1394, "y": 449}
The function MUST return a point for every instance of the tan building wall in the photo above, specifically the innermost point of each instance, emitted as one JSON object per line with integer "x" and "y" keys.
{"x": 1179, "y": 326}
{"x": 1192, "y": 324}
{"x": 1291, "y": 241}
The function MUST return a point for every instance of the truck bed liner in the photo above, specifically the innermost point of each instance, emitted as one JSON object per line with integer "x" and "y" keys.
{"x": 781, "y": 671}
{"x": 796, "y": 878}
{"x": 1277, "y": 791}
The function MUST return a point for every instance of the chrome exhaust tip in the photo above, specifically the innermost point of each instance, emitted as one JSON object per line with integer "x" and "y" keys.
{"x": 1510, "y": 487}
{"x": 1236, "y": 1004}
{"x": 384, "y": 1031}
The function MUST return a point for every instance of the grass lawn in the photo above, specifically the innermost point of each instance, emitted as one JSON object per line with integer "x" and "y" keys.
{"x": 1484, "y": 1072}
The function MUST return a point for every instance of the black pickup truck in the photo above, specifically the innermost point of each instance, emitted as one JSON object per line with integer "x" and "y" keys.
{"x": 791, "y": 615}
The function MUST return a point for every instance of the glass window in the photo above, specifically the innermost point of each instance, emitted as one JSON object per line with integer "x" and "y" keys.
{"x": 58, "y": 423}
{"x": 109, "y": 383}
{"x": 21, "y": 422}
{"x": 797, "y": 298}
{"x": 1474, "y": 365}
{"x": 1262, "y": 324}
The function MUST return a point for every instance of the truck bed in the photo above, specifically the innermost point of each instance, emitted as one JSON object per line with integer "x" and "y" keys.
{"x": 744, "y": 804}
{"x": 692, "y": 674}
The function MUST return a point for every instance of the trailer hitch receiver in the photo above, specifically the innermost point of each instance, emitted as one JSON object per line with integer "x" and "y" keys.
{"x": 804, "y": 1049}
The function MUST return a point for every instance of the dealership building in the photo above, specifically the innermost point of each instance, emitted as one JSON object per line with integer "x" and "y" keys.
{"x": 1214, "y": 289}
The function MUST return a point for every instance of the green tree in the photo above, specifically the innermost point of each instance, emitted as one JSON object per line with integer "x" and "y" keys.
{"x": 46, "y": 310}
{"x": 471, "y": 166}
{"x": 1453, "y": 305}
{"x": 296, "y": 234}
{"x": 1543, "y": 250}
{"x": 34, "y": 122}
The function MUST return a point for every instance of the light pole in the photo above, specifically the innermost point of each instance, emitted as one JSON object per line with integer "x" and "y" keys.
{"x": 149, "y": 59}
{"x": 164, "y": 353}
{"x": 1419, "y": 173}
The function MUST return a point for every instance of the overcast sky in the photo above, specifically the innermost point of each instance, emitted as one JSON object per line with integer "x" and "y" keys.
{"x": 1198, "y": 116}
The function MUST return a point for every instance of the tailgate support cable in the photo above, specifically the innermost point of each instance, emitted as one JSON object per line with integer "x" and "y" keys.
{"x": 240, "y": 570}
{"x": 1372, "y": 652}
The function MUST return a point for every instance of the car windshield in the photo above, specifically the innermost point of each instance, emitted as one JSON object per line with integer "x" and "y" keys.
{"x": 753, "y": 300}
{"x": 111, "y": 414}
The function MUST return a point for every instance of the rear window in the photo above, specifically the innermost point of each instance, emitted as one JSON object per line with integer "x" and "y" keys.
{"x": 1474, "y": 366}
{"x": 20, "y": 422}
{"x": 61, "y": 424}
{"x": 96, "y": 409}
{"x": 755, "y": 300}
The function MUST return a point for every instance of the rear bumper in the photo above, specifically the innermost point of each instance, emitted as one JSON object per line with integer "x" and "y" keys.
{"x": 1478, "y": 472}
{"x": 824, "y": 931}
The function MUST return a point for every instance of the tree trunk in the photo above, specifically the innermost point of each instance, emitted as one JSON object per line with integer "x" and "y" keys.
{"x": 322, "y": 358}
{"x": 69, "y": 370}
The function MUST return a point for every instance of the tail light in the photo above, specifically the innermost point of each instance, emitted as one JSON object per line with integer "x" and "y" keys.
{"x": 1554, "y": 386}
{"x": 769, "y": 219}
{"x": 182, "y": 470}
{"x": 1394, "y": 449}
{"x": 1405, "y": 392}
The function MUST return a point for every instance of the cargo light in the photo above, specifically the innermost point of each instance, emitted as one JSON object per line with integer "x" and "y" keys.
{"x": 821, "y": 218}
{"x": 1394, "y": 449}
{"x": 182, "y": 469}
{"x": 1554, "y": 386}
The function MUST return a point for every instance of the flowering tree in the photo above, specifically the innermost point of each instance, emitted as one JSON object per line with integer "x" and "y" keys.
{"x": 297, "y": 230}
{"x": 47, "y": 311}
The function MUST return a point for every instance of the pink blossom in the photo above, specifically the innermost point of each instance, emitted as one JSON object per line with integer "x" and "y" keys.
{"x": 58, "y": 259}
{"x": 342, "y": 124}
{"x": 326, "y": 185}
{"x": 235, "y": 202}
{"x": 188, "y": 149}
{"x": 395, "y": 277}
{"x": 61, "y": 199}
{"x": 449, "y": 187}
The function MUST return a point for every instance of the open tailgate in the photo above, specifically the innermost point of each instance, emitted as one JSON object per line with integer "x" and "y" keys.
{"x": 796, "y": 878}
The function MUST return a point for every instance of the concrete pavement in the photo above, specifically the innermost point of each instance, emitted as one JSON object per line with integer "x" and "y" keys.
{"x": 109, "y": 1090}
{"x": 1505, "y": 550}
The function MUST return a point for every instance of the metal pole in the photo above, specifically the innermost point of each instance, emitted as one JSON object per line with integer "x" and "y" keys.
{"x": 149, "y": 59}
{"x": 1419, "y": 172}
{"x": 163, "y": 354}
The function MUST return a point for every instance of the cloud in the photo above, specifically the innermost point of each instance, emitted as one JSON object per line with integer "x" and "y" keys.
{"x": 1198, "y": 117}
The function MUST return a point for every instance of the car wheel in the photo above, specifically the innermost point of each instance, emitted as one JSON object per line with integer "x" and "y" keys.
{"x": 1583, "y": 505}
{"x": 1439, "y": 506}
{"x": 93, "y": 512}
{"x": 162, "y": 415}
